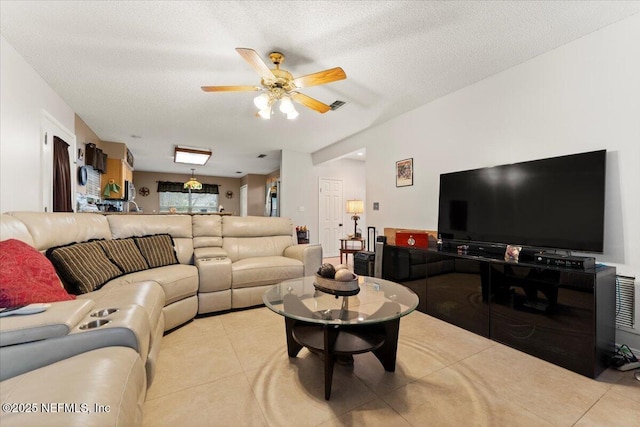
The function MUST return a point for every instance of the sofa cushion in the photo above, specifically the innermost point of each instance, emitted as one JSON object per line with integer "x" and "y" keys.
{"x": 49, "y": 229}
{"x": 265, "y": 271}
{"x": 27, "y": 276}
{"x": 157, "y": 250}
{"x": 178, "y": 281}
{"x": 238, "y": 248}
{"x": 12, "y": 228}
{"x": 125, "y": 254}
{"x": 179, "y": 227}
{"x": 83, "y": 266}
{"x": 256, "y": 226}
{"x": 207, "y": 231}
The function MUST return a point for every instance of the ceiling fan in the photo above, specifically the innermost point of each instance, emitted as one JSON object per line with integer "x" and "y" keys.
{"x": 280, "y": 85}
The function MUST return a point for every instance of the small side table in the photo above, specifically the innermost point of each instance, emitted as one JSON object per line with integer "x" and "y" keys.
{"x": 347, "y": 249}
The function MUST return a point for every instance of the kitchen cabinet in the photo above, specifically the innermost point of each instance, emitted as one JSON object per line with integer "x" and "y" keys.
{"x": 119, "y": 171}
{"x": 95, "y": 157}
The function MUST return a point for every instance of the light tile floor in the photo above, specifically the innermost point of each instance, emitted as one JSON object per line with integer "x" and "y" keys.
{"x": 233, "y": 370}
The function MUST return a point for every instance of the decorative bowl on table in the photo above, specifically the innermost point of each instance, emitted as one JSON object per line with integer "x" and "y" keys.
{"x": 337, "y": 287}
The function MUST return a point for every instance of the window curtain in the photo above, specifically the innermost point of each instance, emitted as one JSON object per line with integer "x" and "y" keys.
{"x": 61, "y": 176}
{"x": 178, "y": 187}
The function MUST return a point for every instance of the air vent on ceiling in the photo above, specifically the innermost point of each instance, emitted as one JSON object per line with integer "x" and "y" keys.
{"x": 262, "y": 156}
{"x": 336, "y": 104}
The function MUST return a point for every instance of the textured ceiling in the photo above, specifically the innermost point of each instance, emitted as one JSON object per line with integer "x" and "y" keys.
{"x": 135, "y": 68}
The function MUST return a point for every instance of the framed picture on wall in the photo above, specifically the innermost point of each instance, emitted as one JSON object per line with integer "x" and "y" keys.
{"x": 404, "y": 172}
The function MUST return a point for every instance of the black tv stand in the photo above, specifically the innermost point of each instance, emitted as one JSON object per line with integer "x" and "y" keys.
{"x": 563, "y": 315}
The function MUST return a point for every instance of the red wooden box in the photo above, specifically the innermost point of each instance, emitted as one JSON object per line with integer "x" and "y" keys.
{"x": 412, "y": 240}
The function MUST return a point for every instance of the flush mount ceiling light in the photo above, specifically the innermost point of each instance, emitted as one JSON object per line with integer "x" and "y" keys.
{"x": 191, "y": 156}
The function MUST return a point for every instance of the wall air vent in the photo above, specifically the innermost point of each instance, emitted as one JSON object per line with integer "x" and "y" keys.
{"x": 262, "y": 156}
{"x": 337, "y": 104}
{"x": 625, "y": 299}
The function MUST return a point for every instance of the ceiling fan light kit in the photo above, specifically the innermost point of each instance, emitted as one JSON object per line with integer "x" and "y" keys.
{"x": 265, "y": 101}
{"x": 280, "y": 85}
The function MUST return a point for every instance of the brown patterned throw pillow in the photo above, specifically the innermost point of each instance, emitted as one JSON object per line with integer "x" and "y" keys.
{"x": 83, "y": 266}
{"x": 125, "y": 254}
{"x": 157, "y": 249}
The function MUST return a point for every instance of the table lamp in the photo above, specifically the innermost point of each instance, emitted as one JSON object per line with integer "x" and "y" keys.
{"x": 355, "y": 207}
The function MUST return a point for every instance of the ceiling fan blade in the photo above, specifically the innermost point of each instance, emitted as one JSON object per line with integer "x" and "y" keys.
{"x": 321, "y": 77}
{"x": 310, "y": 102}
{"x": 229, "y": 88}
{"x": 252, "y": 57}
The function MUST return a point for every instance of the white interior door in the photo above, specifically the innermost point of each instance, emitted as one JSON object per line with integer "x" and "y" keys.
{"x": 330, "y": 216}
{"x": 243, "y": 200}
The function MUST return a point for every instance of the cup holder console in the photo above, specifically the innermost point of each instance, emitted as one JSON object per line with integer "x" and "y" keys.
{"x": 94, "y": 324}
{"x": 104, "y": 312}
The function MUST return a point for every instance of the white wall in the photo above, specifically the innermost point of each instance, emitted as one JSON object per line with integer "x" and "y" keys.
{"x": 24, "y": 99}
{"x": 299, "y": 187}
{"x": 580, "y": 97}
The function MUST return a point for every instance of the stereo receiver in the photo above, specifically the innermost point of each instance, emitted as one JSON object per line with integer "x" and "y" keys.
{"x": 567, "y": 261}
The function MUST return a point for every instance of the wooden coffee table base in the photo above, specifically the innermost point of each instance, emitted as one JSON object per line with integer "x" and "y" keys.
{"x": 344, "y": 340}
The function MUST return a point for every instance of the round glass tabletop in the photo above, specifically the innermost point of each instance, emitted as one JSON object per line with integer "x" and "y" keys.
{"x": 379, "y": 300}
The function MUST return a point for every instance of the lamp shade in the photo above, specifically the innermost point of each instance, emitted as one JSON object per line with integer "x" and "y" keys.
{"x": 286, "y": 106}
{"x": 265, "y": 113}
{"x": 192, "y": 183}
{"x": 355, "y": 206}
{"x": 292, "y": 115}
{"x": 261, "y": 101}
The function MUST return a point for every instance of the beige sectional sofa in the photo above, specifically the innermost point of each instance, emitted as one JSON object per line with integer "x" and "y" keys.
{"x": 223, "y": 262}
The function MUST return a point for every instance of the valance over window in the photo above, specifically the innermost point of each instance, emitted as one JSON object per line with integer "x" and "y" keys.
{"x": 178, "y": 187}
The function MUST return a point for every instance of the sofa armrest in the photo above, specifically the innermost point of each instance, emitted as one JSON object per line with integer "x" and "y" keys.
{"x": 56, "y": 321}
{"x": 128, "y": 327}
{"x": 104, "y": 387}
{"x": 214, "y": 274}
{"x": 310, "y": 255}
{"x": 209, "y": 252}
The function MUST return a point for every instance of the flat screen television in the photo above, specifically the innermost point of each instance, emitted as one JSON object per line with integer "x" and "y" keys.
{"x": 554, "y": 203}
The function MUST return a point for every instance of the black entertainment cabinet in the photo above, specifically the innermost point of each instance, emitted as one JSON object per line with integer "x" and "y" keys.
{"x": 564, "y": 316}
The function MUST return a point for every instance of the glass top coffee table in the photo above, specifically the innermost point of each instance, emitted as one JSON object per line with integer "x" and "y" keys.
{"x": 338, "y": 326}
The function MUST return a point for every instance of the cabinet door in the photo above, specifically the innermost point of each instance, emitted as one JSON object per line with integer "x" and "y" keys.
{"x": 114, "y": 172}
{"x": 128, "y": 173}
{"x": 547, "y": 313}
{"x": 407, "y": 266}
{"x": 458, "y": 291}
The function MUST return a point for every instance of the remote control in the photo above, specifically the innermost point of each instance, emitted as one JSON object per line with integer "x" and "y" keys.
{"x": 24, "y": 309}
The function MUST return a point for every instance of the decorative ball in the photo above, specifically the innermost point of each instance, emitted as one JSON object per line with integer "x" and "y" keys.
{"x": 327, "y": 270}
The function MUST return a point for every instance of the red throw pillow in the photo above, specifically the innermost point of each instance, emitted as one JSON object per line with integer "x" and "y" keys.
{"x": 27, "y": 276}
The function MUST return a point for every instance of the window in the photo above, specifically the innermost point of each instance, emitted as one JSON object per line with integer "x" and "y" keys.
{"x": 93, "y": 183}
{"x": 200, "y": 202}
{"x": 174, "y": 195}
